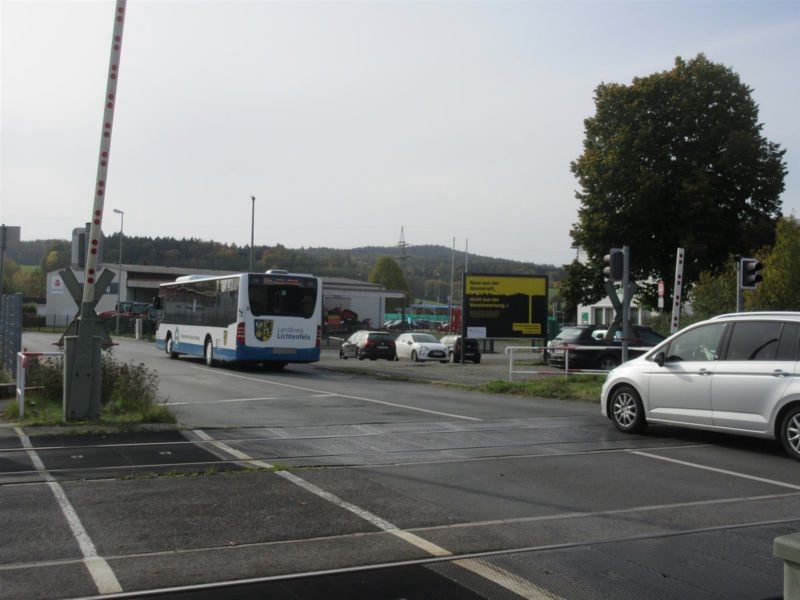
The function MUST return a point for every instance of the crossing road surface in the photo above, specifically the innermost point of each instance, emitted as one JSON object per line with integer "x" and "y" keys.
{"x": 312, "y": 483}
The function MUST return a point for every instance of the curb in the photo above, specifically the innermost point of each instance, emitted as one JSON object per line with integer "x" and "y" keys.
{"x": 46, "y": 430}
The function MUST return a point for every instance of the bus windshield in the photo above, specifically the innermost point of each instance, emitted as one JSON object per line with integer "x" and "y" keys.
{"x": 271, "y": 295}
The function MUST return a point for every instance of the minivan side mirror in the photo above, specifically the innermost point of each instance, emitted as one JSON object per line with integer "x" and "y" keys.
{"x": 659, "y": 358}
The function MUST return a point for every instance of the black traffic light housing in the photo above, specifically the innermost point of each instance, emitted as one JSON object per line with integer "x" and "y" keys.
{"x": 750, "y": 273}
{"x": 614, "y": 265}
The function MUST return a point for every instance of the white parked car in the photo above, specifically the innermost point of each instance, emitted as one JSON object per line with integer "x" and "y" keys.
{"x": 420, "y": 346}
{"x": 736, "y": 373}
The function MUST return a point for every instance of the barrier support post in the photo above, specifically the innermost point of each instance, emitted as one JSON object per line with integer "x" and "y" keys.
{"x": 21, "y": 384}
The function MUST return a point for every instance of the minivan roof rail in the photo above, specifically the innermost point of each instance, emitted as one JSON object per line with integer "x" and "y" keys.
{"x": 765, "y": 313}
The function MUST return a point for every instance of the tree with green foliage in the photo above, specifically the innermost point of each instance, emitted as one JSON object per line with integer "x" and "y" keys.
{"x": 388, "y": 273}
{"x": 58, "y": 256}
{"x": 10, "y": 270}
{"x": 581, "y": 286}
{"x": 714, "y": 293}
{"x": 30, "y": 282}
{"x": 780, "y": 289}
{"x": 676, "y": 159}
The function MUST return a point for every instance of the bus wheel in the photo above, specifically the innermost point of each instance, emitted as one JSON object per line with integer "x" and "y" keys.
{"x": 170, "y": 345}
{"x": 209, "y": 353}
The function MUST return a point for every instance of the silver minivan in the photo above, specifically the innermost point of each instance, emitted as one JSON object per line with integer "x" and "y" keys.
{"x": 736, "y": 373}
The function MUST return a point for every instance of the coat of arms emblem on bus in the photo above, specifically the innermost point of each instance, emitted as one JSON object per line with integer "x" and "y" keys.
{"x": 263, "y": 329}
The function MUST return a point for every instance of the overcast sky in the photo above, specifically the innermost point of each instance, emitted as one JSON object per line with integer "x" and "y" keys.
{"x": 347, "y": 120}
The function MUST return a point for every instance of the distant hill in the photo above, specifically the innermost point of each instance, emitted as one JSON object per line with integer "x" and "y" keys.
{"x": 427, "y": 268}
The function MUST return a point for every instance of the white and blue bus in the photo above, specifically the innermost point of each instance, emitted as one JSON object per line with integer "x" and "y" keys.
{"x": 273, "y": 318}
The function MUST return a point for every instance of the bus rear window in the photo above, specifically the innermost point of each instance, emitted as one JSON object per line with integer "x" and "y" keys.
{"x": 286, "y": 300}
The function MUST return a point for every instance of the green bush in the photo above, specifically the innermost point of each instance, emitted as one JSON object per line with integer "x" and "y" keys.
{"x": 46, "y": 373}
{"x": 128, "y": 392}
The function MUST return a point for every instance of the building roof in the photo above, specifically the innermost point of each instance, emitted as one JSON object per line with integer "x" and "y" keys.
{"x": 147, "y": 276}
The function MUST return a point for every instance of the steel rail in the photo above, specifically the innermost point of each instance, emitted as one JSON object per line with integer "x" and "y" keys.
{"x": 222, "y": 585}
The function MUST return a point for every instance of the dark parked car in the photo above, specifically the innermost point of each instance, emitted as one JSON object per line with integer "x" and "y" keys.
{"x": 369, "y": 344}
{"x": 453, "y": 343}
{"x": 608, "y": 354}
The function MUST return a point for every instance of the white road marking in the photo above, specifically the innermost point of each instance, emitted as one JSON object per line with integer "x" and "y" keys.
{"x": 226, "y": 401}
{"x": 791, "y": 486}
{"x": 516, "y": 584}
{"x": 324, "y": 393}
{"x": 238, "y": 454}
{"x": 98, "y": 568}
{"x": 506, "y": 579}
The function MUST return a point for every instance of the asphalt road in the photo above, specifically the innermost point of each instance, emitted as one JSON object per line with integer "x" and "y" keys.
{"x": 312, "y": 474}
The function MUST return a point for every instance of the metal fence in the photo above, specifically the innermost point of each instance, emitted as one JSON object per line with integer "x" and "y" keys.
{"x": 10, "y": 331}
{"x": 541, "y": 353}
{"x": 127, "y": 326}
{"x": 22, "y": 364}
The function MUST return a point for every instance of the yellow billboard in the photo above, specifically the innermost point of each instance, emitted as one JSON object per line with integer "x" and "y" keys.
{"x": 506, "y": 306}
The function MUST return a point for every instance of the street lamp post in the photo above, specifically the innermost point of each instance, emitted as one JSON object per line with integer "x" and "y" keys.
{"x": 121, "y": 213}
{"x": 252, "y": 230}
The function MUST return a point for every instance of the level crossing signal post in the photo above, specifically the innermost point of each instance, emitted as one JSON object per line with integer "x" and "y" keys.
{"x": 748, "y": 276}
{"x": 86, "y": 335}
{"x": 617, "y": 269}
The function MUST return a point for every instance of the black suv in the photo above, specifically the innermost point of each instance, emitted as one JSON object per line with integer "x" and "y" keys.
{"x": 369, "y": 344}
{"x": 608, "y": 353}
{"x": 453, "y": 343}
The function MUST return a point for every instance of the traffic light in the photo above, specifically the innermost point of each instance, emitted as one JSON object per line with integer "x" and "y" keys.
{"x": 750, "y": 273}
{"x": 614, "y": 265}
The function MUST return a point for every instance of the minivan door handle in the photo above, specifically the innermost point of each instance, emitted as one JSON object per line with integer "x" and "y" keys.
{"x": 704, "y": 372}
{"x": 780, "y": 373}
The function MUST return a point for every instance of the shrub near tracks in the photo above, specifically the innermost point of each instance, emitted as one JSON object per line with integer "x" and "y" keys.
{"x": 128, "y": 395}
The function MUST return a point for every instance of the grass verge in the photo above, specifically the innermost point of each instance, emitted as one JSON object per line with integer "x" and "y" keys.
{"x": 580, "y": 387}
{"x": 129, "y": 396}
{"x": 43, "y": 411}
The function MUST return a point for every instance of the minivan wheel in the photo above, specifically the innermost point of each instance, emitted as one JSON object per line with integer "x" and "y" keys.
{"x": 627, "y": 411}
{"x": 790, "y": 432}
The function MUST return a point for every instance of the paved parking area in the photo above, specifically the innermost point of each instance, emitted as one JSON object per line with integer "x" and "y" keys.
{"x": 445, "y": 493}
{"x": 650, "y": 515}
{"x": 492, "y": 366}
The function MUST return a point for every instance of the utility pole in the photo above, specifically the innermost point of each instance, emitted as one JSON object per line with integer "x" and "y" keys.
{"x": 450, "y": 298}
{"x": 121, "y": 213}
{"x": 402, "y": 257}
{"x": 252, "y": 229}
